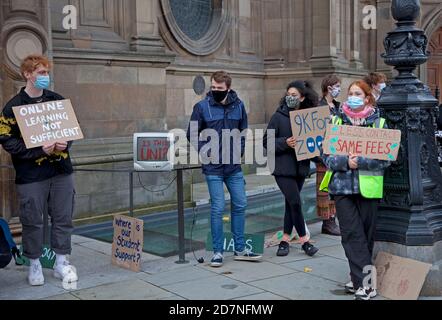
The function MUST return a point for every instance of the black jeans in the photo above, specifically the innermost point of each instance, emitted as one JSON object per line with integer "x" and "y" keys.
{"x": 291, "y": 188}
{"x": 357, "y": 221}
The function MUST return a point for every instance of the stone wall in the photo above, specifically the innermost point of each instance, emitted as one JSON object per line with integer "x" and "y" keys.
{"x": 128, "y": 67}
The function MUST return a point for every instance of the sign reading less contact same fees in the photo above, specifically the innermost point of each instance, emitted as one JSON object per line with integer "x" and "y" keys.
{"x": 380, "y": 144}
{"x": 48, "y": 122}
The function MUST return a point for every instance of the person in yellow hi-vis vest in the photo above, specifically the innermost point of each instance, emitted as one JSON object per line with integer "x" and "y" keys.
{"x": 356, "y": 185}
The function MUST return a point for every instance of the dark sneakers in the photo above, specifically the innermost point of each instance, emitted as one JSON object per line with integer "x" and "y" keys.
{"x": 283, "y": 249}
{"x": 330, "y": 227}
{"x": 309, "y": 249}
{"x": 217, "y": 260}
{"x": 247, "y": 255}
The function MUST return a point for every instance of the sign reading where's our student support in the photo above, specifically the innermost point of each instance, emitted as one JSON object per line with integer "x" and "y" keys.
{"x": 308, "y": 127}
{"x": 380, "y": 144}
{"x": 48, "y": 122}
{"x": 127, "y": 246}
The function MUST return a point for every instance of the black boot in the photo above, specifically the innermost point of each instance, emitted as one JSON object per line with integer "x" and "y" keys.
{"x": 330, "y": 227}
{"x": 309, "y": 249}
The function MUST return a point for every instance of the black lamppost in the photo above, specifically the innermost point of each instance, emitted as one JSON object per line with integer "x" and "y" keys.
{"x": 410, "y": 216}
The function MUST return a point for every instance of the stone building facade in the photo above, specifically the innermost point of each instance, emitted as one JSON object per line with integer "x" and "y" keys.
{"x": 130, "y": 66}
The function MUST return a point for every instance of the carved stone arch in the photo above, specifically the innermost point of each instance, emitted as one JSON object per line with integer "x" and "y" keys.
{"x": 201, "y": 44}
{"x": 430, "y": 25}
{"x": 21, "y": 37}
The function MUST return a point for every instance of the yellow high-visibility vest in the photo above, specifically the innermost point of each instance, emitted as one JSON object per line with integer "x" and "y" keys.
{"x": 371, "y": 183}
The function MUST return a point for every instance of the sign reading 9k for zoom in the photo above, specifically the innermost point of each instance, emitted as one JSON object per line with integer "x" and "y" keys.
{"x": 308, "y": 127}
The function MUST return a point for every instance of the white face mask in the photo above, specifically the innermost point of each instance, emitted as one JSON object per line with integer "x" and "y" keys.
{"x": 382, "y": 86}
{"x": 335, "y": 92}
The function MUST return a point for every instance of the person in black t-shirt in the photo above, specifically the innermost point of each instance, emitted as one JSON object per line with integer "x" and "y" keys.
{"x": 44, "y": 178}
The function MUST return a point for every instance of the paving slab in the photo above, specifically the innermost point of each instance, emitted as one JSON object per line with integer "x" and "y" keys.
{"x": 189, "y": 273}
{"x": 133, "y": 289}
{"x": 251, "y": 271}
{"x": 262, "y": 296}
{"x": 212, "y": 288}
{"x": 336, "y": 252}
{"x": 301, "y": 286}
{"x": 325, "y": 267}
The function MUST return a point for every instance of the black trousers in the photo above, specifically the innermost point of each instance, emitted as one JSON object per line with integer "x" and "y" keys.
{"x": 357, "y": 221}
{"x": 291, "y": 188}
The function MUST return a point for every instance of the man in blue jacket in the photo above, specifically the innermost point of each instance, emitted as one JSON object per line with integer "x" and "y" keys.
{"x": 222, "y": 114}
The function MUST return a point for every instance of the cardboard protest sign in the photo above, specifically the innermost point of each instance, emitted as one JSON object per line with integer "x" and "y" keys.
{"x": 308, "y": 126}
{"x": 254, "y": 242}
{"x": 48, "y": 122}
{"x": 127, "y": 246}
{"x": 400, "y": 278}
{"x": 380, "y": 144}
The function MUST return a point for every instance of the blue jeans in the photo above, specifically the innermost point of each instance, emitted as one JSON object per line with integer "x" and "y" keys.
{"x": 236, "y": 186}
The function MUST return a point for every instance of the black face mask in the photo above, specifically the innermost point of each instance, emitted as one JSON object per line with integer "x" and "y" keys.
{"x": 219, "y": 96}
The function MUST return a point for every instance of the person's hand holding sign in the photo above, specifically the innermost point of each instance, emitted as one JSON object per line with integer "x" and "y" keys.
{"x": 49, "y": 149}
{"x": 353, "y": 161}
{"x": 291, "y": 142}
{"x": 61, "y": 146}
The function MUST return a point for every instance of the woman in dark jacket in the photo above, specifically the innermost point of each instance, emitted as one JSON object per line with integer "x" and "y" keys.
{"x": 325, "y": 208}
{"x": 289, "y": 173}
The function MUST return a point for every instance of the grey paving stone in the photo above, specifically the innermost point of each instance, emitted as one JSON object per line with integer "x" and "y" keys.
{"x": 173, "y": 276}
{"x": 64, "y": 296}
{"x": 213, "y": 288}
{"x": 30, "y": 293}
{"x": 262, "y": 296}
{"x": 325, "y": 267}
{"x": 336, "y": 252}
{"x": 133, "y": 289}
{"x": 302, "y": 286}
{"x": 251, "y": 271}
{"x": 322, "y": 241}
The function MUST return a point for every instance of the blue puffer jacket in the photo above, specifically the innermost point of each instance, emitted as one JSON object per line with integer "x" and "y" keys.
{"x": 209, "y": 114}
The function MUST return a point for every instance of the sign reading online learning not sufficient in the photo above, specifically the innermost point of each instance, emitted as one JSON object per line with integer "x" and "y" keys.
{"x": 48, "y": 122}
{"x": 308, "y": 126}
{"x": 127, "y": 246}
{"x": 380, "y": 144}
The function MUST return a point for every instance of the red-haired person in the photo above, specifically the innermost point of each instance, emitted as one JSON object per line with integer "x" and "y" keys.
{"x": 44, "y": 178}
{"x": 356, "y": 185}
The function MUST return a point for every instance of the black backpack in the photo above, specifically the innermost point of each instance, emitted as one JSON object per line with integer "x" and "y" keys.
{"x": 8, "y": 248}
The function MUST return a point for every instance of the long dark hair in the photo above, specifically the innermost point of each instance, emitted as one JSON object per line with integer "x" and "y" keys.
{"x": 306, "y": 90}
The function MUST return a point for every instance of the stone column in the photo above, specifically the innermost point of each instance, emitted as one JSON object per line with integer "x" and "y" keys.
{"x": 145, "y": 34}
{"x": 24, "y": 30}
{"x": 324, "y": 34}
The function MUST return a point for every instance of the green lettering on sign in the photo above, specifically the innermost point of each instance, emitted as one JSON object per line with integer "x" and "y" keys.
{"x": 47, "y": 259}
{"x": 254, "y": 242}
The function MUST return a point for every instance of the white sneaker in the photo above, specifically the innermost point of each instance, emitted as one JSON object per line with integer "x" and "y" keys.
{"x": 35, "y": 276}
{"x": 349, "y": 288}
{"x": 66, "y": 272}
{"x": 365, "y": 294}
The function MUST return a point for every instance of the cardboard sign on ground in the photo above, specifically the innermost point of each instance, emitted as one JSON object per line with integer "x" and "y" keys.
{"x": 127, "y": 246}
{"x": 308, "y": 126}
{"x": 381, "y": 144}
{"x": 45, "y": 123}
{"x": 400, "y": 278}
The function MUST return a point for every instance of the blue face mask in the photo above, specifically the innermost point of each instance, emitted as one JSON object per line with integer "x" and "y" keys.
{"x": 355, "y": 102}
{"x": 382, "y": 86}
{"x": 42, "y": 82}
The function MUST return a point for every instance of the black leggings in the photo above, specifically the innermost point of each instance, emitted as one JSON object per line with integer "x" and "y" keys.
{"x": 291, "y": 188}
